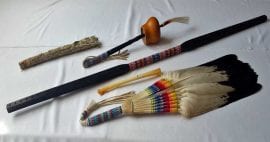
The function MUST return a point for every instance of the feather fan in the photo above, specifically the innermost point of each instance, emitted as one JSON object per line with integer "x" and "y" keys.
{"x": 189, "y": 92}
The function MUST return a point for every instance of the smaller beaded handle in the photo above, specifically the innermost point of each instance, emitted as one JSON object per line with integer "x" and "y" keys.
{"x": 88, "y": 62}
{"x": 105, "y": 116}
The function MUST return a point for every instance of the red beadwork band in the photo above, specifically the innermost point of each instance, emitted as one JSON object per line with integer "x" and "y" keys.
{"x": 155, "y": 58}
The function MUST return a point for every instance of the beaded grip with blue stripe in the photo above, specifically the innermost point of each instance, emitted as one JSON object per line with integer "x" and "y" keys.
{"x": 105, "y": 116}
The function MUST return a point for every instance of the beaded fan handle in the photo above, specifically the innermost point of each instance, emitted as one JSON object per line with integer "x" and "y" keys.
{"x": 105, "y": 116}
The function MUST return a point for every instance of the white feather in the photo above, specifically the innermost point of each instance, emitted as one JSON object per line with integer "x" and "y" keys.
{"x": 180, "y": 20}
{"x": 193, "y": 104}
{"x": 205, "y": 88}
{"x": 185, "y": 73}
{"x": 213, "y": 77}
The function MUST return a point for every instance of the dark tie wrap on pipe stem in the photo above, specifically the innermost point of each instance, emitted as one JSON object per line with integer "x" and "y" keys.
{"x": 119, "y": 70}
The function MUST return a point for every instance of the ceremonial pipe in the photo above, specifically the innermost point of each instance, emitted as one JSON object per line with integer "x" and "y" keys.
{"x": 150, "y": 33}
{"x": 125, "y": 68}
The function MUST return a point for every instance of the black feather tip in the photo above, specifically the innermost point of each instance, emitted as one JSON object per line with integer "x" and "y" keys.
{"x": 241, "y": 76}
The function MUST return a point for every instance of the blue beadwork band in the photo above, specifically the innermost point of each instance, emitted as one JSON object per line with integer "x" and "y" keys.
{"x": 105, "y": 116}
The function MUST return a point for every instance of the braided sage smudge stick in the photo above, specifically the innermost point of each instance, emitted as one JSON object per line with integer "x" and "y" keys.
{"x": 77, "y": 46}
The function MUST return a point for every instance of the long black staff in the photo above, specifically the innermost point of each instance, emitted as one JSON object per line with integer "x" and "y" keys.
{"x": 125, "y": 68}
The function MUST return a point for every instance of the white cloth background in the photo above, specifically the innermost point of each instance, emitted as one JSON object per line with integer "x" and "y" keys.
{"x": 30, "y": 27}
